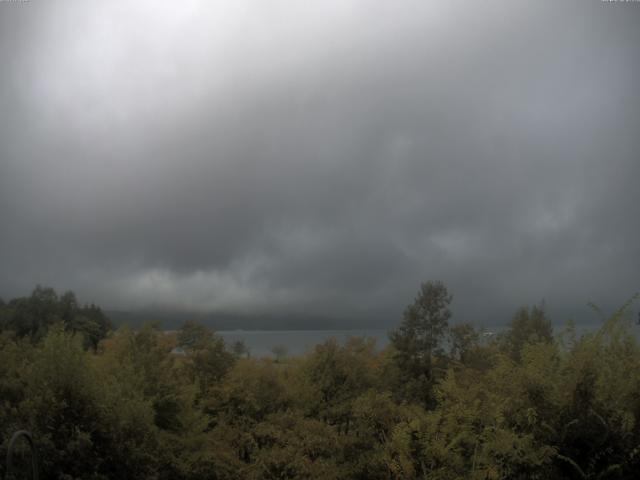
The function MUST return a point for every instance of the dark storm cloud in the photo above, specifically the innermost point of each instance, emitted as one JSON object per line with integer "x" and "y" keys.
{"x": 321, "y": 160}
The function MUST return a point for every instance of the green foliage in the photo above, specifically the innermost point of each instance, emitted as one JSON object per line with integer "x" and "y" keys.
{"x": 529, "y": 325}
{"x": 418, "y": 338}
{"x": 31, "y": 317}
{"x": 524, "y": 406}
{"x": 334, "y": 376}
{"x": 208, "y": 359}
{"x": 252, "y": 391}
{"x": 465, "y": 341}
{"x": 280, "y": 352}
{"x": 240, "y": 349}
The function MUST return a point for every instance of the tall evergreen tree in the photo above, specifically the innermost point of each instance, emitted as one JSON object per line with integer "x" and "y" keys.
{"x": 425, "y": 324}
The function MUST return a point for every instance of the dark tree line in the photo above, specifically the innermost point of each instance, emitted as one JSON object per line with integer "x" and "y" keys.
{"x": 31, "y": 317}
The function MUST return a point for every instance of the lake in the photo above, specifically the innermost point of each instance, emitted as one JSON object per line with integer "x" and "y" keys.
{"x": 297, "y": 342}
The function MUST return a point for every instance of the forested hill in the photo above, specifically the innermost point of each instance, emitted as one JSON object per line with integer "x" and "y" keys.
{"x": 530, "y": 403}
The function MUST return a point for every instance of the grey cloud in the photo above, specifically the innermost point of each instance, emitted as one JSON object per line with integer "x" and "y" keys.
{"x": 322, "y": 162}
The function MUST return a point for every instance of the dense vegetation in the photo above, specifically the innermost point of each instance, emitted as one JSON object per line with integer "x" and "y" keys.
{"x": 441, "y": 402}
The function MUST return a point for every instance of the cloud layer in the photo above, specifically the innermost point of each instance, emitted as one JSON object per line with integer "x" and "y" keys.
{"x": 324, "y": 159}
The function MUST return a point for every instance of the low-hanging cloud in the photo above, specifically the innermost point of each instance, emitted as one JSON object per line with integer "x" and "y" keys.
{"x": 321, "y": 159}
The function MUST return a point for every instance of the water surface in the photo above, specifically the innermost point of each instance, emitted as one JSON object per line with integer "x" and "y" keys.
{"x": 296, "y": 342}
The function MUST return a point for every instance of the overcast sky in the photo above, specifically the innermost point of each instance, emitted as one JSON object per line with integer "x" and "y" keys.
{"x": 321, "y": 157}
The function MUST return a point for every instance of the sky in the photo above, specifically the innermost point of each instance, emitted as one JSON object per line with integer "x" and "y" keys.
{"x": 321, "y": 158}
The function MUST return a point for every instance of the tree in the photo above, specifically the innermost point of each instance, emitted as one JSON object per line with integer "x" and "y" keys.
{"x": 194, "y": 336}
{"x": 280, "y": 352}
{"x": 240, "y": 349}
{"x": 252, "y": 390}
{"x": 527, "y": 326}
{"x": 208, "y": 359}
{"x": 61, "y": 402}
{"x": 464, "y": 339}
{"x": 336, "y": 375}
{"x": 33, "y": 316}
{"x": 418, "y": 338}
